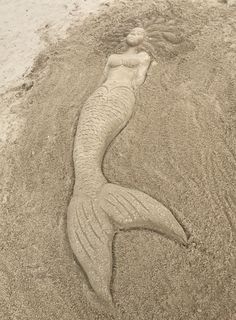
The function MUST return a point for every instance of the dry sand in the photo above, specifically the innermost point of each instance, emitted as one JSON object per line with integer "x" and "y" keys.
{"x": 179, "y": 147}
{"x": 26, "y": 26}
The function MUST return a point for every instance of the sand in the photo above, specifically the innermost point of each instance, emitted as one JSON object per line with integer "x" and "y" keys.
{"x": 26, "y": 27}
{"x": 179, "y": 147}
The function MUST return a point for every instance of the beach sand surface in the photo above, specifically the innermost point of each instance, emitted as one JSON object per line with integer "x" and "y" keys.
{"x": 179, "y": 147}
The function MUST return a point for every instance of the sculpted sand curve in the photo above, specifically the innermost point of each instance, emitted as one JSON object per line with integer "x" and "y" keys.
{"x": 98, "y": 209}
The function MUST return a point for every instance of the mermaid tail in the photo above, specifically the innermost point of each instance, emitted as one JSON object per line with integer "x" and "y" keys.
{"x": 93, "y": 222}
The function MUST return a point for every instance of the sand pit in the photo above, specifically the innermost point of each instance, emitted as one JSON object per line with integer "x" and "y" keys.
{"x": 179, "y": 147}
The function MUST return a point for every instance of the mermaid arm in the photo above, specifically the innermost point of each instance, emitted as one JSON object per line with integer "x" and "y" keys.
{"x": 104, "y": 74}
{"x": 142, "y": 70}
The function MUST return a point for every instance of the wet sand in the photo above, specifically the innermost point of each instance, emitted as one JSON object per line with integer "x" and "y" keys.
{"x": 179, "y": 147}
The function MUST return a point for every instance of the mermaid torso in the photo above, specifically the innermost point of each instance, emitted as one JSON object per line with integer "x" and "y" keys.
{"x": 116, "y": 60}
{"x": 103, "y": 116}
{"x": 124, "y": 69}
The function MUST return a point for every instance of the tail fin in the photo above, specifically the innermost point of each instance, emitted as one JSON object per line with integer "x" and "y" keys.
{"x": 91, "y": 228}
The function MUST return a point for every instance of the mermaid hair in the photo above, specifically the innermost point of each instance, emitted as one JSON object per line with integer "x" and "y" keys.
{"x": 164, "y": 37}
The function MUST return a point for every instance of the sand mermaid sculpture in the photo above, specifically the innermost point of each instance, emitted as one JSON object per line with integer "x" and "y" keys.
{"x": 98, "y": 209}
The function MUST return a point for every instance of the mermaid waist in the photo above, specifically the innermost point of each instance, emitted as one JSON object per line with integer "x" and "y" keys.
{"x": 116, "y": 84}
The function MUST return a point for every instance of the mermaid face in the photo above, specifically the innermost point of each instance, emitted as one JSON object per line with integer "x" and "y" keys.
{"x": 135, "y": 37}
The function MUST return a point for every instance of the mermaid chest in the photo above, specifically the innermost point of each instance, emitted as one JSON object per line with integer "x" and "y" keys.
{"x": 117, "y": 60}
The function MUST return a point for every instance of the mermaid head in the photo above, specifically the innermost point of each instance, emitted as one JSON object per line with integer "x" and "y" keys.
{"x": 136, "y": 37}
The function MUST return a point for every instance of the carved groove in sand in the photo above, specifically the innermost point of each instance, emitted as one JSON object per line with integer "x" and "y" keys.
{"x": 98, "y": 209}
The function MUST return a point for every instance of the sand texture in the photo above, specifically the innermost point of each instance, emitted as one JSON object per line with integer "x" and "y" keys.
{"x": 179, "y": 147}
{"x": 26, "y": 27}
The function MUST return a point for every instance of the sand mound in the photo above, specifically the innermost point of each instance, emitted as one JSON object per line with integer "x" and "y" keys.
{"x": 179, "y": 147}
